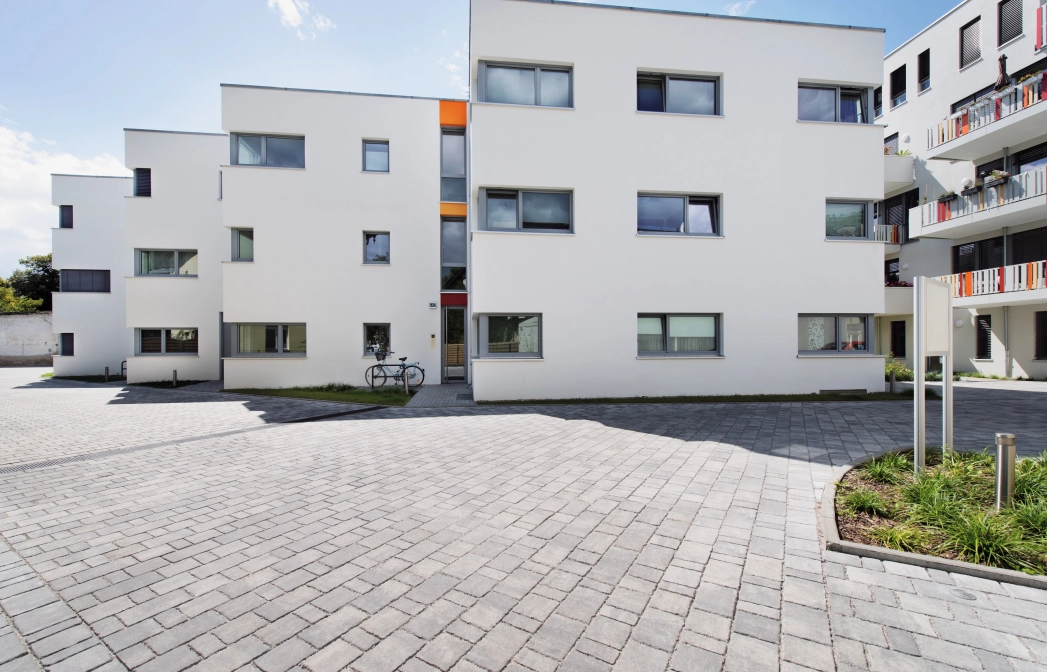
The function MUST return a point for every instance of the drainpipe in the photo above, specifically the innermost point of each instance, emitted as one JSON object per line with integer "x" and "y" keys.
{"x": 1006, "y": 318}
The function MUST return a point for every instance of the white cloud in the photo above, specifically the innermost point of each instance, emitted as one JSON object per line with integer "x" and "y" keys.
{"x": 299, "y": 17}
{"x": 26, "y": 213}
{"x": 739, "y": 8}
{"x": 455, "y": 65}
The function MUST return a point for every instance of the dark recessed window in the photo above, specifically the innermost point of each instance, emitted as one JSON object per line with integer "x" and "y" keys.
{"x": 272, "y": 151}
{"x": 243, "y": 244}
{"x": 65, "y": 216}
{"x": 1041, "y": 334}
{"x": 452, "y": 255}
{"x": 546, "y": 86}
{"x": 898, "y": 87}
{"x": 677, "y": 335}
{"x": 693, "y": 215}
{"x": 376, "y": 338}
{"x": 677, "y": 94}
{"x": 832, "y": 103}
{"x": 376, "y": 156}
{"x": 890, "y": 144}
{"x": 1009, "y": 14}
{"x": 258, "y": 340}
{"x": 168, "y": 341}
{"x": 923, "y": 70}
{"x": 511, "y": 336}
{"x": 78, "y": 280}
{"x": 898, "y": 338}
{"x": 376, "y": 247}
{"x": 878, "y": 101}
{"x": 845, "y": 220}
{"x": 971, "y": 42}
{"x": 832, "y": 333}
{"x": 452, "y": 165}
{"x": 503, "y": 210}
{"x": 143, "y": 182}
{"x": 65, "y": 345}
{"x": 984, "y": 337}
{"x": 891, "y": 270}
{"x": 978, "y": 256}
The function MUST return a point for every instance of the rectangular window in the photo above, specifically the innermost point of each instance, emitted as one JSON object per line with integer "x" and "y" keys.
{"x": 510, "y": 336}
{"x": 260, "y": 340}
{"x": 677, "y": 94}
{"x": 898, "y": 338}
{"x": 971, "y": 42}
{"x": 923, "y": 70}
{"x": 978, "y": 256}
{"x": 891, "y": 270}
{"x": 525, "y": 210}
{"x": 832, "y": 333}
{"x": 693, "y": 215}
{"x": 243, "y": 244}
{"x": 890, "y": 144}
{"x": 65, "y": 216}
{"x": 376, "y": 338}
{"x": 168, "y": 341}
{"x": 1009, "y": 13}
{"x": 677, "y": 335}
{"x": 878, "y": 101}
{"x": 268, "y": 150}
{"x": 452, "y": 255}
{"x": 452, "y": 165}
{"x": 65, "y": 345}
{"x": 832, "y": 103}
{"x": 376, "y": 247}
{"x": 167, "y": 262}
{"x": 898, "y": 87}
{"x": 1027, "y": 246}
{"x": 984, "y": 337}
{"x": 1040, "y": 326}
{"x": 75, "y": 280}
{"x": 143, "y": 182}
{"x": 845, "y": 220}
{"x": 547, "y": 86}
{"x": 376, "y": 156}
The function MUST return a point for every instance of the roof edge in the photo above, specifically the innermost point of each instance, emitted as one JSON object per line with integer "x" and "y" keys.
{"x": 706, "y": 15}
{"x": 340, "y": 93}
{"x": 926, "y": 28}
{"x": 154, "y": 130}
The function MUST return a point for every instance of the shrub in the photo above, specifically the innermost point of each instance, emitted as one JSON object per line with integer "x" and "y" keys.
{"x": 864, "y": 500}
{"x": 888, "y": 468}
{"x": 989, "y": 539}
{"x": 901, "y": 371}
{"x": 932, "y": 499}
{"x": 1032, "y": 518}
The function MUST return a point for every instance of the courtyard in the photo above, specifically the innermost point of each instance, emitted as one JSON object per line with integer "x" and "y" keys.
{"x": 163, "y": 530}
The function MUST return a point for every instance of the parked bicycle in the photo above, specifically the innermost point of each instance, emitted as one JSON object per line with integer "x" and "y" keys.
{"x": 377, "y": 375}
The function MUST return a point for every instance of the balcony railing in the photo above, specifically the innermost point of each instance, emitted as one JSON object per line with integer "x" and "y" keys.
{"x": 1030, "y": 184}
{"x": 886, "y": 233}
{"x": 1016, "y": 278}
{"x": 1000, "y": 105}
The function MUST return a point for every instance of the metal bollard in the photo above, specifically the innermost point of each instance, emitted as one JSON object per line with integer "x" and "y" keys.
{"x": 107, "y": 374}
{"x": 1005, "y": 457}
{"x": 174, "y": 378}
{"x": 893, "y": 389}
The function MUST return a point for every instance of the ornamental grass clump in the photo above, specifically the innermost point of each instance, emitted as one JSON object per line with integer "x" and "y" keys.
{"x": 864, "y": 500}
{"x": 888, "y": 468}
{"x": 988, "y": 538}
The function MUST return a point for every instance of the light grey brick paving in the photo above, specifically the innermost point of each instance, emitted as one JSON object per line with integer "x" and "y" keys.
{"x": 644, "y": 537}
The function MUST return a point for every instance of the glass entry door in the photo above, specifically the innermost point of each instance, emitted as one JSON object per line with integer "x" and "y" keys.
{"x": 454, "y": 345}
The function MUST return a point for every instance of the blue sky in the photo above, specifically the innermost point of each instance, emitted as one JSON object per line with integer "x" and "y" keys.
{"x": 73, "y": 74}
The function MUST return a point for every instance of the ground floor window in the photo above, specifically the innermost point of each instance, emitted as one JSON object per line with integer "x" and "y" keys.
{"x": 271, "y": 340}
{"x": 511, "y": 336}
{"x": 677, "y": 335}
{"x": 898, "y": 338}
{"x": 168, "y": 341}
{"x": 1041, "y": 334}
{"x": 983, "y": 347}
{"x": 832, "y": 333}
{"x": 65, "y": 345}
{"x": 376, "y": 338}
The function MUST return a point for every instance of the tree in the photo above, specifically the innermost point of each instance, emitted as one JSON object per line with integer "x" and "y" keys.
{"x": 37, "y": 281}
{"x": 10, "y": 303}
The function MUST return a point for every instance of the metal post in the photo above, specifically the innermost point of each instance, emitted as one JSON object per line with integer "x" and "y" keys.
{"x": 174, "y": 378}
{"x": 893, "y": 389}
{"x": 407, "y": 390}
{"x": 1005, "y": 457}
{"x": 919, "y": 378}
{"x": 947, "y": 413}
{"x": 107, "y": 374}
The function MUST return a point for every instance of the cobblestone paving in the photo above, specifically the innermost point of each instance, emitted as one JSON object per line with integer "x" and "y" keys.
{"x": 433, "y": 396}
{"x": 632, "y": 537}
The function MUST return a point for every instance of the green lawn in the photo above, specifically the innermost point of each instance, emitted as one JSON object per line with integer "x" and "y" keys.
{"x": 334, "y": 392}
{"x": 718, "y": 399}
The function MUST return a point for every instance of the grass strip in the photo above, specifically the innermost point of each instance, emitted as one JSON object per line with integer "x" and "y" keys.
{"x": 85, "y": 379}
{"x": 332, "y": 392}
{"x": 719, "y": 399}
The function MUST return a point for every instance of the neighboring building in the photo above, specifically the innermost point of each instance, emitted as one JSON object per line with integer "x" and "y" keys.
{"x": 89, "y": 250}
{"x": 591, "y": 223}
{"x": 27, "y": 339}
{"x": 942, "y": 101}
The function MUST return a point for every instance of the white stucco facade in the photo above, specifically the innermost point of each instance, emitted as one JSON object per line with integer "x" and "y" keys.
{"x": 95, "y": 241}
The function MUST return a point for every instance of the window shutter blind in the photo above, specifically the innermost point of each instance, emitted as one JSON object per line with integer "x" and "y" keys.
{"x": 1029, "y": 155}
{"x": 1010, "y": 20}
{"x": 971, "y": 42}
{"x": 984, "y": 346}
{"x": 65, "y": 216}
{"x": 897, "y": 82}
{"x": 1041, "y": 334}
{"x": 986, "y": 168}
{"x": 898, "y": 338}
{"x": 923, "y": 66}
{"x": 1027, "y": 246}
{"x": 891, "y": 143}
{"x": 878, "y": 100}
{"x": 143, "y": 182}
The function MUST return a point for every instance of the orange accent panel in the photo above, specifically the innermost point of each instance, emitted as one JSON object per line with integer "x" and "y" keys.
{"x": 454, "y": 209}
{"x": 452, "y": 113}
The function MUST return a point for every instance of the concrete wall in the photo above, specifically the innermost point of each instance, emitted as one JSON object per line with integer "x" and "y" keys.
{"x": 97, "y": 242}
{"x": 27, "y": 339}
{"x": 773, "y": 261}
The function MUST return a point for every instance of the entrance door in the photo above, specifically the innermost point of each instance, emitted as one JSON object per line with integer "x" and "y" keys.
{"x": 454, "y": 345}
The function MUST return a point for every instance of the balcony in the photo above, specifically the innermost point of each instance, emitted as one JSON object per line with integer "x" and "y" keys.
{"x": 1003, "y": 286}
{"x": 890, "y": 234}
{"x": 1018, "y": 199}
{"x": 897, "y": 300}
{"x": 898, "y": 172}
{"x": 1003, "y": 119}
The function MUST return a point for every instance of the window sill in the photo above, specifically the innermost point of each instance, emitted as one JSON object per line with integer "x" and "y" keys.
{"x": 682, "y": 114}
{"x": 507, "y": 359}
{"x": 920, "y": 93}
{"x": 237, "y": 165}
{"x": 238, "y": 261}
{"x": 663, "y": 357}
{"x": 376, "y": 263}
{"x": 165, "y": 277}
{"x": 167, "y": 354}
{"x": 137, "y": 196}
{"x": 854, "y": 240}
{"x": 1009, "y": 42}
{"x": 982, "y": 360}
{"x": 703, "y": 236}
{"x": 972, "y": 64}
{"x": 278, "y": 358}
{"x": 841, "y": 123}
{"x": 901, "y": 104}
{"x": 484, "y": 103}
{"x": 525, "y": 232}
{"x": 376, "y": 172}
{"x": 842, "y": 355}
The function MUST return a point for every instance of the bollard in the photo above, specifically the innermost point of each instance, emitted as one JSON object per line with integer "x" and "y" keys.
{"x": 107, "y": 374}
{"x": 1005, "y": 457}
{"x": 407, "y": 390}
{"x": 893, "y": 390}
{"x": 174, "y": 378}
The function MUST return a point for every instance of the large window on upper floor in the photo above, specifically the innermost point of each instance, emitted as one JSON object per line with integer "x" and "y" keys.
{"x": 65, "y": 216}
{"x": 677, "y": 94}
{"x": 143, "y": 182}
{"x": 820, "y": 102}
{"x": 524, "y": 210}
{"x": 544, "y": 85}
{"x": 1009, "y": 23}
{"x": 452, "y": 165}
{"x": 243, "y": 245}
{"x": 898, "y": 87}
{"x": 677, "y": 335}
{"x": 691, "y": 215}
{"x": 923, "y": 70}
{"x": 265, "y": 340}
{"x": 80, "y": 280}
{"x": 971, "y": 43}
{"x": 168, "y": 341}
{"x": 166, "y": 262}
{"x": 511, "y": 336}
{"x": 846, "y": 219}
{"x": 452, "y": 255}
{"x": 274, "y": 151}
{"x": 978, "y": 256}
{"x": 832, "y": 333}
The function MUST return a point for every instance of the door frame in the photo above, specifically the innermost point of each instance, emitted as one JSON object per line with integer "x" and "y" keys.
{"x": 443, "y": 345}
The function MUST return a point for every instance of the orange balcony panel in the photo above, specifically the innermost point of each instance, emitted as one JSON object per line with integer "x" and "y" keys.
{"x": 453, "y": 113}
{"x": 454, "y": 209}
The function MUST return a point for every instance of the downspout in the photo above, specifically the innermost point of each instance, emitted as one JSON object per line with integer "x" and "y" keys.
{"x": 1006, "y": 318}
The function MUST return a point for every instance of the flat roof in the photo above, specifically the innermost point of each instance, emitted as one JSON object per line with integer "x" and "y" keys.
{"x": 932, "y": 25}
{"x": 110, "y": 177}
{"x": 703, "y": 14}
{"x": 341, "y": 93}
{"x": 153, "y": 130}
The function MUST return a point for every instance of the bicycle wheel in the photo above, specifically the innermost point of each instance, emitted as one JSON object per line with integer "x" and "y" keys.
{"x": 415, "y": 376}
{"x": 375, "y": 376}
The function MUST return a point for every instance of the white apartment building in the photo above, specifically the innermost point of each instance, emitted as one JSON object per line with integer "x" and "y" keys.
{"x": 975, "y": 203}
{"x": 591, "y": 223}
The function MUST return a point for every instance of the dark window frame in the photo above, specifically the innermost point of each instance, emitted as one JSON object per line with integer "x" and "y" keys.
{"x": 963, "y": 30}
{"x": 447, "y": 180}
{"x": 878, "y": 102}
{"x": 839, "y": 90}
{"x": 368, "y": 351}
{"x": 923, "y": 71}
{"x": 65, "y": 216}
{"x": 481, "y": 77}
{"x": 389, "y": 238}
{"x": 143, "y": 182}
{"x": 236, "y": 252}
{"x": 72, "y": 280}
{"x": 234, "y": 139}
{"x": 280, "y": 338}
{"x": 665, "y": 352}
{"x": 983, "y": 337}
{"x": 837, "y": 317}
{"x": 664, "y": 79}
{"x": 1002, "y": 21}
{"x": 892, "y": 267}
{"x": 66, "y": 344}
{"x": 388, "y": 155}
{"x": 165, "y": 335}
{"x": 463, "y": 265}
{"x": 485, "y": 192}
{"x": 899, "y": 85}
{"x": 484, "y": 337}
{"x": 177, "y": 263}
{"x": 711, "y": 199}
{"x": 1040, "y": 335}
{"x": 866, "y": 219}
{"x": 898, "y": 337}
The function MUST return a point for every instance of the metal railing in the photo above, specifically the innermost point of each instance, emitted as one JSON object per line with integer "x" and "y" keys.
{"x": 999, "y": 105}
{"x": 1030, "y": 184}
{"x": 1015, "y": 278}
